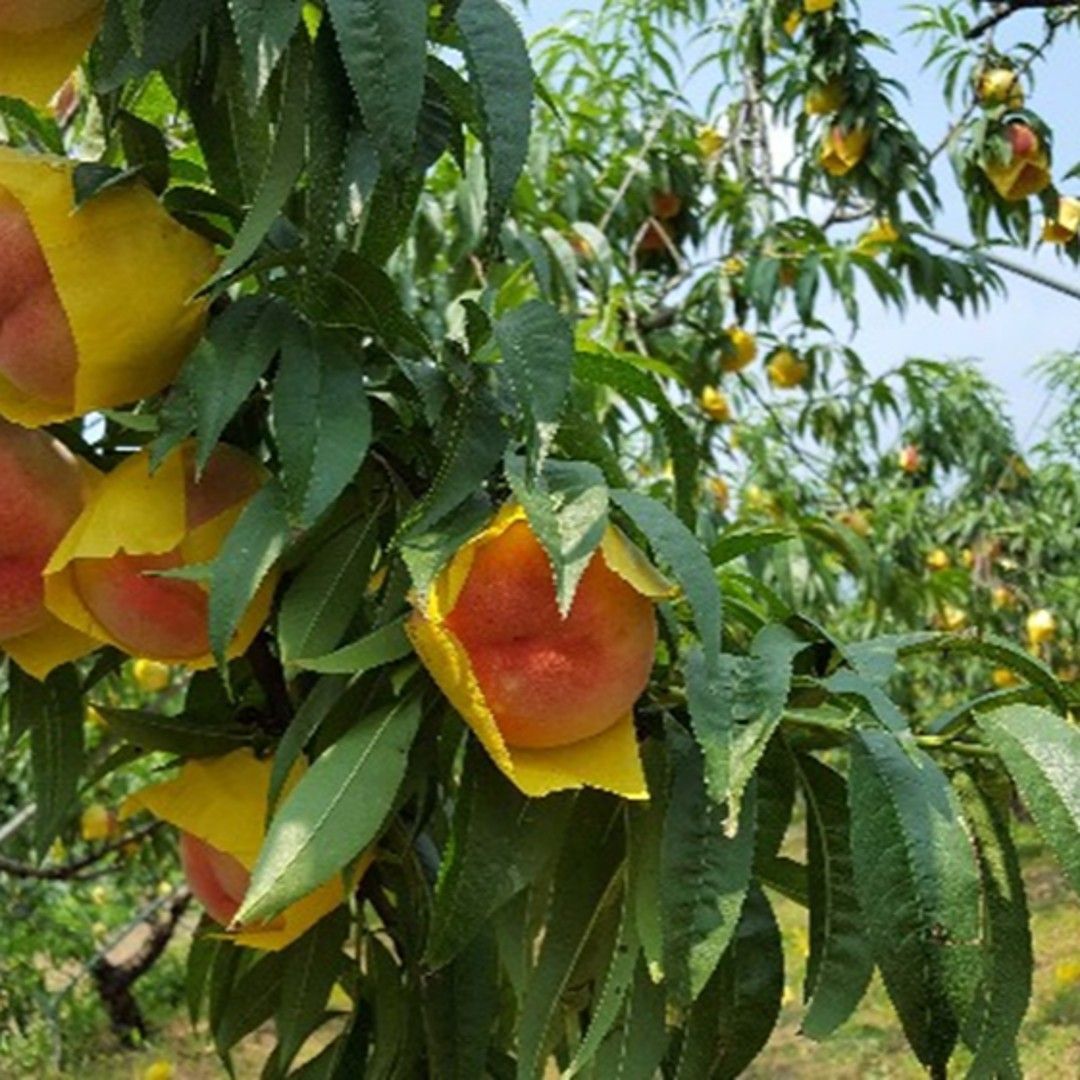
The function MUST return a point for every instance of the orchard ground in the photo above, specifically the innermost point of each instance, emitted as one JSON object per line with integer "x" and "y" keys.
{"x": 870, "y": 1046}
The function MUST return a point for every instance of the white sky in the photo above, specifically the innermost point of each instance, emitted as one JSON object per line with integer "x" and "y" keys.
{"x": 1032, "y": 321}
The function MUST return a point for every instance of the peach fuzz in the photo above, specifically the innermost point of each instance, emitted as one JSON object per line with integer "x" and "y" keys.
{"x": 551, "y": 681}
{"x": 161, "y": 617}
{"x": 37, "y": 349}
{"x": 216, "y": 879}
{"x": 42, "y": 496}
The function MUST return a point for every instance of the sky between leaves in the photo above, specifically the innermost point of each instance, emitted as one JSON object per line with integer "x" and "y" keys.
{"x": 1032, "y": 321}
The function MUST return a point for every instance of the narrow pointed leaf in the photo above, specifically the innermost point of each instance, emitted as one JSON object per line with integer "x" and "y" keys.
{"x": 334, "y": 812}
{"x": 732, "y": 1019}
{"x": 1006, "y": 942}
{"x": 311, "y": 967}
{"x": 383, "y": 46}
{"x": 918, "y": 885}
{"x": 1042, "y": 754}
{"x": 537, "y": 347}
{"x": 500, "y": 71}
{"x": 704, "y": 875}
{"x": 840, "y": 964}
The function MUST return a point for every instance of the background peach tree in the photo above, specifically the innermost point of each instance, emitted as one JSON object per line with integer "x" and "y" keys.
{"x": 453, "y": 276}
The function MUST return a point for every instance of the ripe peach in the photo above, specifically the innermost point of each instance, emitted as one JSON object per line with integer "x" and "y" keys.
{"x": 551, "y": 681}
{"x": 42, "y": 497}
{"x": 786, "y": 370}
{"x": 999, "y": 86}
{"x": 217, "y": 880}
{"x": 909, "y": 458}
{"x": 653, "y": 239}
{"x": 1024, "y": 141}
{"x": 20, "y": 17}
{"x": 665, "y": 204}
{"x": 160, "y": 617}
{"x": 37, "y": 350}
{"x": 743, "y": 349}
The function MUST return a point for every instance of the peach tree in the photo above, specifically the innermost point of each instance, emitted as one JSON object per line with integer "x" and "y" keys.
{"x": 375, "y": 392}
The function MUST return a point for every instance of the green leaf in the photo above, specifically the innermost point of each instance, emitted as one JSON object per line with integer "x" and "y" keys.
{"x": 165, "y": 34}
{"x": 200, "y": 960}
{"x": 247, "y": 556}
{"x": 736, "y": 705}
{"x": 501, "y": 72}
{"x": 145, "y": 149}
{"x": 840, "y": 964}
{"x": 759, "y": 697}
{"x": 853, "y": 688}
{"x": 383, "y": 46}
{"x": 322, "y": 699}
{"x": 645, "y": 828}
{"x": 461, "y": 1003}
{"x": 632, "y": 381}
{"x": 472, "y": 448}
{"x": 91, "y": 179}
{"x": 53, "y": 711}
{"x": 220, "y": 375}
{"x": 251, "y": 1001}
{"x": 186, "y": 735}
{"x": 359, "y": 293}
{"x": 704, "y": 873}
{"x": 680, "y": 550}
{"x": 587, "y": 872}
{"x": 322, "y": 420}
{"x": 1006, "y": 944}
{"x": 775, "y": 778}
{"x": 734, "y": 1016}
{"x": 321, "y": 602}
{"x": 311, "y": 967}
{"x": 284, "y": 165}
{"x": 918, "y": 885}
{"x": 611, "y": 994}
{"x": 537, "y": 347}
{"x": 334, "y": 812}
{"x": 330, "y": 115}
{"x": 263, "y": 30}
{"x": 383, "y": 645}
{"x": 567, "y": 509}
{"x": 997, "y": 650}
{"x": 500, "y": 842}
{"x": 1041, "y": 751}
{"x": 733, "y": 545}
{"x": 635, "y": 1048}
{"x": 226, "y": 965}
{"x": 236, "y": 140}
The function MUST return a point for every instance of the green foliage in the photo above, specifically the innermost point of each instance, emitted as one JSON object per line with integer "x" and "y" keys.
{"x": 458, "y": 271}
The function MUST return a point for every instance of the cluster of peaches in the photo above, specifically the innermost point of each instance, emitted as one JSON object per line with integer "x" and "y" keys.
{"x": 1024, "y": 167}
{"x": 99, "y": 307}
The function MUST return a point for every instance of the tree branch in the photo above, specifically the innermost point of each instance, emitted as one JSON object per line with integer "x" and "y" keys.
{"x": 73, "y": 871}
{"x": 1006, "y": 8}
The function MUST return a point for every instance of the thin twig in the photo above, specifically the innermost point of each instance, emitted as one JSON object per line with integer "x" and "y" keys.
{"x": 620, "y": 193}
{"x": 1008, "y": 8}
{"x": 73, "y": 871}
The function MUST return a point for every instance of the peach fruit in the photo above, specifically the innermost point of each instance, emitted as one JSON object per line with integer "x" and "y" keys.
{"x": 909, "y": 459}
{"x": 550, "y": 681}
{"x": 159, "y": 617}
{"x": 42, "y": 497}
{"x": 37, "y": 350}
{"x": 217, "y": 880}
